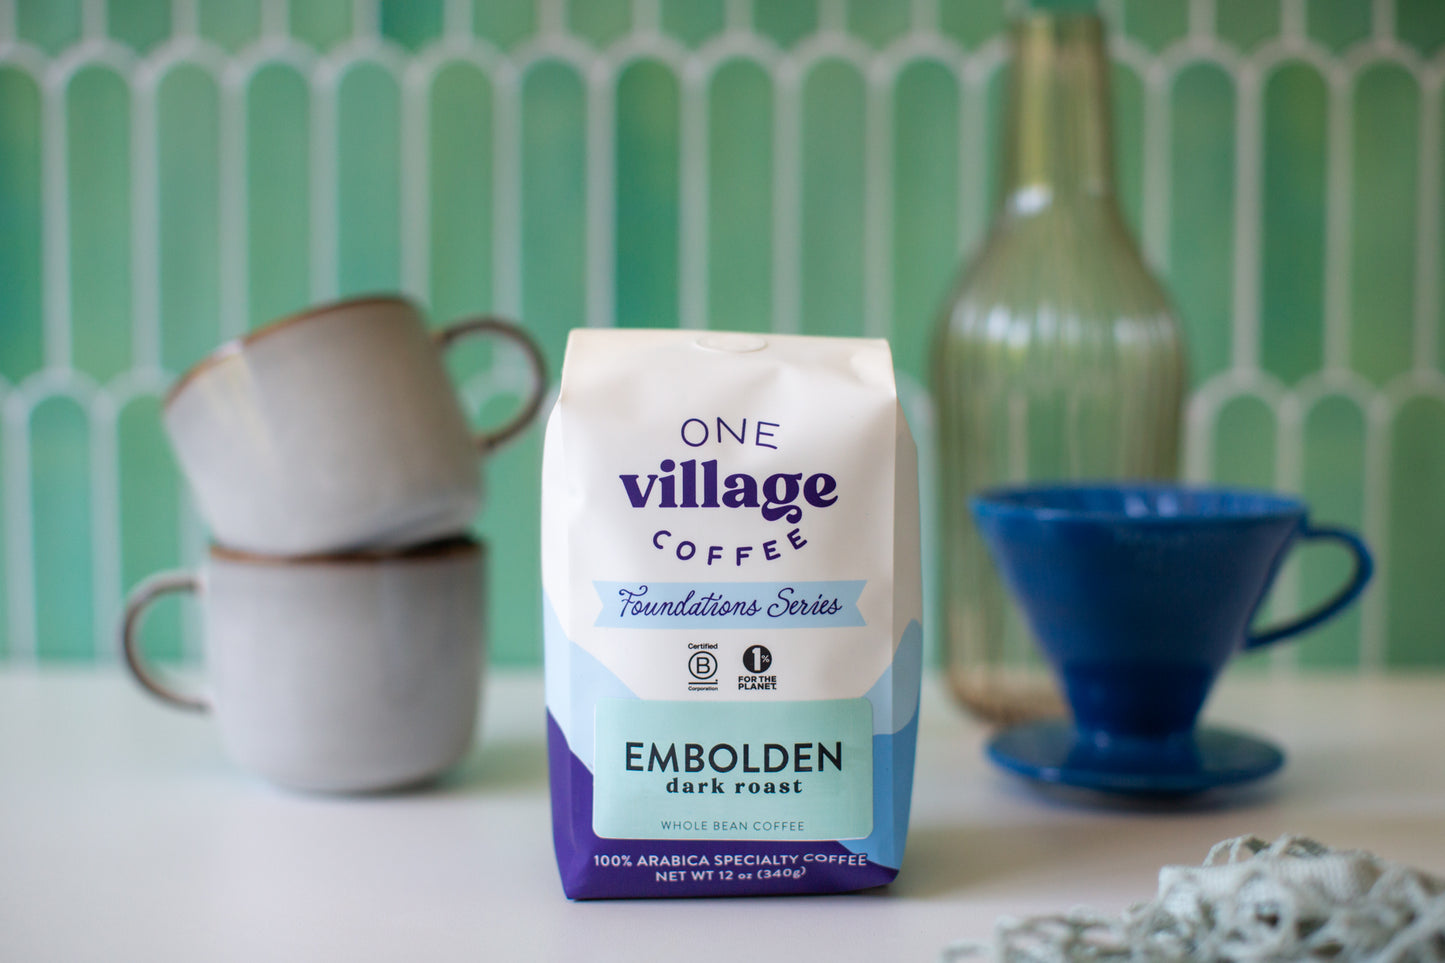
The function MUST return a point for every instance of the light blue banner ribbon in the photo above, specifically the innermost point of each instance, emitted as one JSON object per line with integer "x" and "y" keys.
{"x": 730, "y": 605}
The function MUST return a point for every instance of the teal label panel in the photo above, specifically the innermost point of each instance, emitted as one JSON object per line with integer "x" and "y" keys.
{"x": 733, "y": 770}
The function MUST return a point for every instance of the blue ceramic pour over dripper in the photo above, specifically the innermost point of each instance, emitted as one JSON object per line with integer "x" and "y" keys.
{"x": 1138, "y": 596}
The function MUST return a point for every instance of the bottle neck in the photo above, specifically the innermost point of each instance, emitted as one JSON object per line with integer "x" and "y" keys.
{"x": 1057, "y": 145}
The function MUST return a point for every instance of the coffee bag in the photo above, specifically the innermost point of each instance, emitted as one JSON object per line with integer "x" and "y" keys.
{"x": 730, "y": 569}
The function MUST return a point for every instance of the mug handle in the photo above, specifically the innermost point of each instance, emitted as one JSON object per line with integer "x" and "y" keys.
{"x": 452, "y": 333}
{"x": 136, "y": 603}
{"x": 1364, "y": 568}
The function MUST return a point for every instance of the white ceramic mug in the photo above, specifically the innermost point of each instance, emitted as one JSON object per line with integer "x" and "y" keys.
{"x": 337, "y": 428}
{"x": 349, "y": 673}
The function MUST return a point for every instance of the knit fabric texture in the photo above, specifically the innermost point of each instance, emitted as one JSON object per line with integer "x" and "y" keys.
{"x": 1250, "y": 902}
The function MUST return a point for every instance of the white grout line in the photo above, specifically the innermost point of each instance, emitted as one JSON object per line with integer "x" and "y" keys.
{"x": 55, "y": 222}
{"x": 93, "y": 22}
{"x": 145, "y": 218}
{"x": 1339, "y": 173}
{"x": 1288, "y": 477}
{"x": 601, "y": 226}
{"x": 325, "y": 257}
{"x": 105, "y": 546}
{"x": 507, "y": 196}
{"x": 457, "y": 20}
{"x": 185, "y": 18}
{"x": 275, "y": 18}
{"x": 232, "y": 176}
{"x": 1382, "y": 19}
{"x": 1248, "y": 157}
{"x": 365, "y": 19}
{"x": 19, "y": 530}
{"x": 877, "y": 208}
{"x": 1427, "y": 230}
{"x": 1201, "y": 19}
{"x": 923, "y": 16}
{"x": 739, "y": 15}
{"x": 1292, "y": 19}
{"x": 1157, "y": 144}
{"x": 693, "y": 214}
{"x": 646, "y": 16}
{"x": 415, "y": 185}
{"x": 1376, "y": 524}
{"x": 787, "y": 204}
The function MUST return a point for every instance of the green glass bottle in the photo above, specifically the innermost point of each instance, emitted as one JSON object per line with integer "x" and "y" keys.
{"x": 1057, "y": 356}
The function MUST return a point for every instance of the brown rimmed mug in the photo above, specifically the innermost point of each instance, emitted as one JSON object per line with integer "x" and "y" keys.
{"x": 339, "y": 428}
{"x": 342, "y": 673}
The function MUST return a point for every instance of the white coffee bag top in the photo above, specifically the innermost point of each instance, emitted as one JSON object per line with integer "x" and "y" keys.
{"x": 731, "y": 581}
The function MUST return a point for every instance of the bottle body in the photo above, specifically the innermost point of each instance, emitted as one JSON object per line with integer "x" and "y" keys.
{"x": 1056, "y": 358}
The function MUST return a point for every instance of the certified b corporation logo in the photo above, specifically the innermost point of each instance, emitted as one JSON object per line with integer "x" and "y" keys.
{"x": 703, "y": 666}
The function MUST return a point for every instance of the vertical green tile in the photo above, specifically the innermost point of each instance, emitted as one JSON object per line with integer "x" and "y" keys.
{"x": 1338, "y": 24}
{"x": 61, "y": 518}
{"x": 321, "y": 23}
{"x": 925, "y": 206}
{"x": 509, "y": 524}
{"x": 461, "y": 154}
{"x": 1201, "y": 239}
{"x": 877, "y": 22}
{"x": 232, "y": 24}
{"x": 7, "y": 643}
{"x": 1421, "y": 24}
{"x": 693, "y": 22}
{"x": 139, "y": 24}
{"x": 1129, "y": 94}
{"x": 740, "y": 198}
{"x": 504, "y": 22}
{"x": 149, "y": 524}
{"x": 1244, "y": 443}
{"x": 1417, "y": 517}
{"x": 188, "y": 155}
{"x": 1156, "y": 23}
{"x": 554, "y": 202}
{"x": 600, "y": 22}
{"x": 1384, "y": 210}
{"x": 278, "y": 158}
{"x": 368, "y": 180}
{"x": 785, "y": 22}
{"x": 98, "y": 168}
{"x": 1245, "y": 434}
{"x": 972, "y": 22}
{"x": 647, "y": 186}
{"x": 21, "y": 318}
{"x": 1247, "y": 23}
{"x": 832, "y": 200}
{"x": 51, "y": 25}
{"x": 1295, "y": 109}
{"x": 411, "y": 23}
{"x": 1334, "y": 485}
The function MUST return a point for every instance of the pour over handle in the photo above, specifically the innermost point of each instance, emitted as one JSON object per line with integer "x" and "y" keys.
{"x": 1364, "y": 568}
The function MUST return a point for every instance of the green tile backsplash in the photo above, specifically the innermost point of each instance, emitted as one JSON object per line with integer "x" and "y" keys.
{"x": 175, "y": 172}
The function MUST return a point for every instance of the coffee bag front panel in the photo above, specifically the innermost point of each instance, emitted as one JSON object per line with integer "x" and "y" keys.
{"x": 730, "y": 578}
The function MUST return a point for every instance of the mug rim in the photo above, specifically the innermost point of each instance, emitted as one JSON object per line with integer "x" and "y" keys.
{"x": 1008, "y": 501}
{"x": 427, "y": 552}
{"x": 235, "y": 346}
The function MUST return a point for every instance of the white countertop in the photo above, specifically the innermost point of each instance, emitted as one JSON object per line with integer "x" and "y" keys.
{"x": 125, "y": 835}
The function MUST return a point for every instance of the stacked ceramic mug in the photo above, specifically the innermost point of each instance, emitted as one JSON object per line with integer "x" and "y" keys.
{"x": 342, "y": 600}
